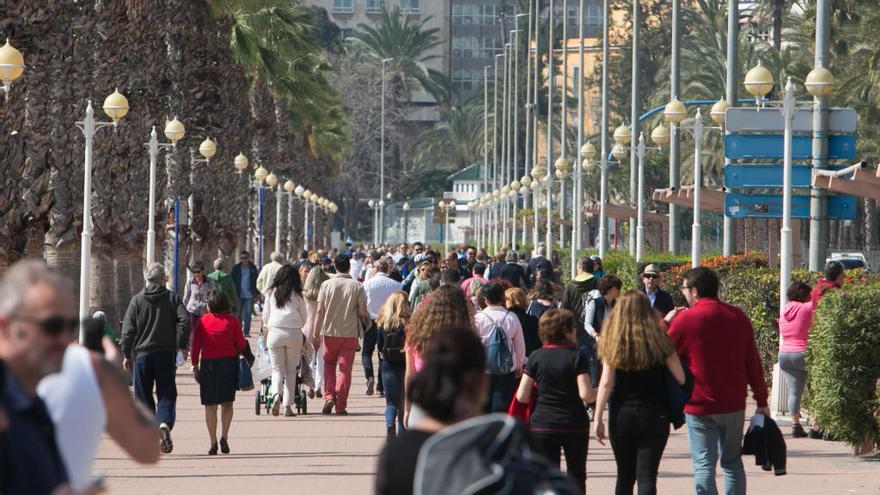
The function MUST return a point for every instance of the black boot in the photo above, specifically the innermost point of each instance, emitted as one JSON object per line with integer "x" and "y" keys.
{"x": 392, "y": 432}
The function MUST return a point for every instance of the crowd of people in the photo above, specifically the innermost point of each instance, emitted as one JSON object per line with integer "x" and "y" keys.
{"x": 464, "y": 341}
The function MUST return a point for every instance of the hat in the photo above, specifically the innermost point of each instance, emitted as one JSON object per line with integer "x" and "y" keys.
{"x": 420, "y": 257}
{"x": 651, "y": 270}
{"x": 325, "y": 260}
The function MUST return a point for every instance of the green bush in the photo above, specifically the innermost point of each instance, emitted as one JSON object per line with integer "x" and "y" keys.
{"x": 843, "y": 363}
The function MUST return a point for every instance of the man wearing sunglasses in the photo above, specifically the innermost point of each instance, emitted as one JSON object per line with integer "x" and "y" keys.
{"x": 660, "y": 300}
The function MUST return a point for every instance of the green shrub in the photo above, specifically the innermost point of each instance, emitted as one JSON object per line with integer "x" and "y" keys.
{"x": 843, "y": 363}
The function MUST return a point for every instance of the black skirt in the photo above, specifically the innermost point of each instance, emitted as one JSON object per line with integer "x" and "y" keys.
{"x": 218, "y": 380}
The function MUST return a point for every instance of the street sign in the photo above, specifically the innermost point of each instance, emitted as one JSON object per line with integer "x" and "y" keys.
{"x": 753, "y": 175}
{"x": 769, "y": 120}
{"x": 749, "y": 146}
{"x": 770, "y": 206}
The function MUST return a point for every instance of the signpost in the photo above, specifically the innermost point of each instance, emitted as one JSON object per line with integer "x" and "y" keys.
{"x": 762, "y": 176}
{"x": 770, "y": 206}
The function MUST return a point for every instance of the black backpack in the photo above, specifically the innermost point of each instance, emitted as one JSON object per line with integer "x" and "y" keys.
{"x": 392, "y": 345}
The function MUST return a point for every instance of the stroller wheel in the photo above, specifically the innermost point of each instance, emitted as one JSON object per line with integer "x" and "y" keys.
{"x": 258, "y": 402}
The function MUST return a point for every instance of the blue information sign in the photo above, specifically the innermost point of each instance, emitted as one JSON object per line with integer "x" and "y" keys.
{"x": 749, "y": 146}
{"x": 770, "y": 206}
{"x": 753, "y": 175}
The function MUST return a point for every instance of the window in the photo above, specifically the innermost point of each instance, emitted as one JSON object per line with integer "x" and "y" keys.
{"x": 465, "y": 47}
{"x": 343, "y": 6}
{"x": 488, "y": 16}
{"x": 375, "y": 6}
{"x": 593, "y": 15}
{"x": 411, "y": 6}
{"x": 467, "y": 79}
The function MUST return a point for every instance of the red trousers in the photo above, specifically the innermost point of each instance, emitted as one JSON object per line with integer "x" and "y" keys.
{"x": 336, "y": 385}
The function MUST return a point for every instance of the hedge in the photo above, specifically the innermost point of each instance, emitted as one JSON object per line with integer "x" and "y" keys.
{"x": 843, "y": 363}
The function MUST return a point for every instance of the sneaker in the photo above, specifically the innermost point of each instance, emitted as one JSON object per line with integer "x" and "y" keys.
{"x": 311, "y": 393}
{"x": 328, "y": 407}
{"x": 276, "y": 404}
{"x": 814, "y": 434}
{"x": 224, "y": 445}
{"x": 380, "y": 393}
{"x": 288, "y": 412}
{"x": 797, "y": 431}
{"x": 341, "y": 412}
{"x": 165, "y": 445}
{"x": 370, "y": 384}
{"x": 213, "y": 449}
{"x": 318, "y": 392}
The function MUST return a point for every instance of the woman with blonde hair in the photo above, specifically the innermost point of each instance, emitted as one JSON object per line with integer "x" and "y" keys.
{"x": 390, "y": 341}
{"x": 312, "y": 285}
{"x": 516, "y": 301}
{"x": 636, "y": 354}
{"x": 446, "y": 308}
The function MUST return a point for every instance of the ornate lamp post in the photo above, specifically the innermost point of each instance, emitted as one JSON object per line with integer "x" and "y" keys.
{"x": 116, "y": 107}
{"x": 289, "y": 187}
{"x": 174, "y": 131}
{"x": 446, "y": 206}
{"x": 260, "y": 175}
{"x": 406, "y": 222}
{"x": 11, "y": 66}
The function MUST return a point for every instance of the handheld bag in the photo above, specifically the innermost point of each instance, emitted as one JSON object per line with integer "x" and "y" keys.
{"x": 262, "y": 367}
{"x": 245, "y": 379}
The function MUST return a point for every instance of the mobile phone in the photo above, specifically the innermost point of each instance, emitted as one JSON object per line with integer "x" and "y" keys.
{"x": 93, "y": 334}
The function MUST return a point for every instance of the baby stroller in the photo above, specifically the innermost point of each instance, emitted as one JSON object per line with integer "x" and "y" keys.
{"x": 263, "y": 398}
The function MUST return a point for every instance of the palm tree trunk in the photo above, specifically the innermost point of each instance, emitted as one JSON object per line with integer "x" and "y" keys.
{"x": 64, "y": 258}
{"x": 102, "y": 270}
{"x": 778, "y": 7}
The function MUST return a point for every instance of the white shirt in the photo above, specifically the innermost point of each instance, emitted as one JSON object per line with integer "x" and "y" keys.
{"x": 378, "y": 289}
{"x": 357, "y": 266}
{"x": 292, "y": 316}
{"x": 485, "y": 320}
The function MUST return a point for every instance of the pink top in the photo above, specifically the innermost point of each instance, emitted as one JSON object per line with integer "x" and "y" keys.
{"x": 418, "y": 362}
{"x": 794, "y": 326}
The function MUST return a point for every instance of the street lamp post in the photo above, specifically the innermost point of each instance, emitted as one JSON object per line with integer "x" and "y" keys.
{"x": 289, "y": 187}
{"x": 300, "y": 191}
{"x": 382, "y": 154}
{"x": 272, "y": 182}
{"x": 446, "y": 206}
{"x": 115, "y": 106}
{"x": 240, "y": 163}
{"x": 578, "y": 197}
{"x": 550, "y": 88}
{"x": 374, "y": 207}
{"x": 603, "y": 129}
{"x": 261, "y": 174}
{"x": 174, "y": 131}
{"x": 406, "y": 222}
{"x": 11, "y": 66}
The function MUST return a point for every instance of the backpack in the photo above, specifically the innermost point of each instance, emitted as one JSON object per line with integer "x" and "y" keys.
{"x": 392, "y": 346}
{"x": 486, "y": 455}
{"x": 499, "y": 359}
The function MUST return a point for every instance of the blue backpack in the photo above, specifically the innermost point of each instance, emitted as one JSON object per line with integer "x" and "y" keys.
{"x": 499, "y": 360}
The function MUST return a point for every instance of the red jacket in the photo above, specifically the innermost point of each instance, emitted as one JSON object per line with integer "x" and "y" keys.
{"x": 822, "y": 286}
{"x": 716, "y": 341}
{"x": 216, "y": 336}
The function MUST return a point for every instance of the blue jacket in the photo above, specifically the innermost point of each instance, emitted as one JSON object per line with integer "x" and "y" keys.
{"x": 236, "y": 277}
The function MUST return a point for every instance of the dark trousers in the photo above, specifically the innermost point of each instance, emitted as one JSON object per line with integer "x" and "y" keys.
{"x": 501, "y": 389}
{"x": 392, "y": 376}
{"x": 595, "y": 363}
{"x": 367, "y": 355}
{"x": 574, "y": 444}
{"x": 157, "y": 369}
{"x": 638, "y": 436}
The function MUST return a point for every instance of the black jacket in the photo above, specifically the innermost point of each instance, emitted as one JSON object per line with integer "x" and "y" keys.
{"x": 573, "y": 297}
{"x": 155, "y": 321}
{"x": 766, "y": 443}
{"x": 529, "y": 326}
{"x": 539, "y": 263}
{"x": 662, "y": 302}
{"x": 236, "y": 277}
{"x": 514, "y": 274}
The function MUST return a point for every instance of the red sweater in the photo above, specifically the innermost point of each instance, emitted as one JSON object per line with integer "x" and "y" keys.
{"x": 216, "y": 336}
{"x": 822, "y": 286}
{"x": 716, "y": 341}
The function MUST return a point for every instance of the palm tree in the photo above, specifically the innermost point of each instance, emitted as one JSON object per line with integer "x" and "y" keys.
{"x": 407, "y": 42}
{"x": 454, "y": 142}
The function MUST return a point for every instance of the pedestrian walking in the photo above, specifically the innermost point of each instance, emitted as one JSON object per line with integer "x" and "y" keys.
{"x": 576, "y": 290}
{"x": 660, "y": 300}
{"x": 391, "y": 322}
{"x": 597, "y": 306}
{"x": 541, "y": 299}
{"x": 477, "y": 271}
{"x": 559, "y": 421}
{"x": 449, "y": 389}
{"x": 284, "y": 316}
{"x": 502, "y": 336}
{"x": 512, "y": 271}
{"x": 223, "y": 281}
{"x": 267, "y": 273}
{"x": 377, "y": 290}
{"x": 422, "y": 286}
{"x": 452, "y": 262}
{"x": 447, "y": 308}
{"x": 636, "y": 356}
{"x": 716, "y": 341}
{"x": 244, "y": 274}
{"x": 340, "y": 316}
{"x": 195, "y": 295}
{"x": 311, "y": 289}
{"x": 794, "y": 334}
{"x": 217, "y": 342}
{"x": 516, "y": 301}
{"x": 155, "y": 329}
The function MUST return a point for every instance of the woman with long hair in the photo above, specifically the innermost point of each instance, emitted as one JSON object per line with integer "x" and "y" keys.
{"x": 540, "y": 299}
{"x": 284, "y": 315}
{"x": 311, "y": 287}
{"x": 217, "y": 341}
{"x": 559, "y": 420}
{"x": 636, "y": 354}
{"x": 447, "y": 307}
{"x": 390, "y": 341}
{"x": 516, "y": 301}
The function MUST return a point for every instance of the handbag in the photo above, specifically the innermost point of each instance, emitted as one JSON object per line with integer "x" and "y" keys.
{"x": 245, "y": 378}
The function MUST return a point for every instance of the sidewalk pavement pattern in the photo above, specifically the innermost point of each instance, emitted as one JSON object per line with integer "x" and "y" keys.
{"x": 331, "y": 455}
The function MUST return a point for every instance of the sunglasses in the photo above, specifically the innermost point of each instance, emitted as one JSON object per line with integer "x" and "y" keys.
{"x": 52, "y": 326}
{"x": 650, "y": 275}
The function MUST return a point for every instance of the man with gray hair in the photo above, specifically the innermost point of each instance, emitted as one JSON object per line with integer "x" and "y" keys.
{"x": 267, "y": 274}
{"x": 155, "y": 328}
{"x": 223, "y": 282}
{"x": 540, "y": 263}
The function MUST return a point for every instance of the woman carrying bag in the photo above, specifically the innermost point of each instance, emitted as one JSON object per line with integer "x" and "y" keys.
{"x": 284, "y": 315}
{"x": 217, "y": 342}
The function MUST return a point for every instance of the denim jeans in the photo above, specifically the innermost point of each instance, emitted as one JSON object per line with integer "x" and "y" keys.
{"x": 245, "y": 313}
{"x": 367, "y": 356}
{"x": 501, "y": 390}
{"x": 157, "y": 369}
{"x": 392, "y": 376}
{"x": 711, "y": 436}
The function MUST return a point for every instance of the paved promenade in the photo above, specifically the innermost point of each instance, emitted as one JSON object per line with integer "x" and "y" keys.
{"x": 331, "y": 455}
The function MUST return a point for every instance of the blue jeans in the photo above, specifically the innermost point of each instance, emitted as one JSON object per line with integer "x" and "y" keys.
{"x": 245, "y": 313}
{"x": 159, "y": 369}
{"x": 501, "y": 390}
{"x": 392, "y": 376}
{"x": 711, "y": 436}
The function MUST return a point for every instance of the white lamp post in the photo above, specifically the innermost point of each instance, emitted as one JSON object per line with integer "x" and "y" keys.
{"x": 300, "y": 191}
{"x": 11, "y": 66}
{"x": 373, "y": 206}
{"x": 382, "y": 145}
{"x": 289, "y": 187}
{"x": 115, "y": 106}
{"x": 174, "y": 132}
{"x": 406, "y": 222}
{"x": 446, "y": 206}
